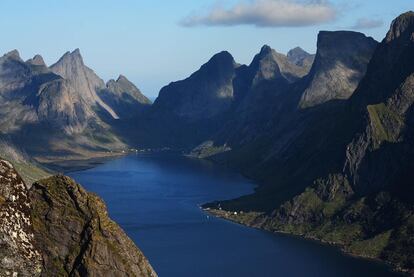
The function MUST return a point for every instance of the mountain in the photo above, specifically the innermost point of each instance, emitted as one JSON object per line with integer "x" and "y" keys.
{"x": 329, "y": 138}
{"x": 270, "y": 123}
{"x": 191, "y": 111}
{"x": 186, "y": 111}
{"x": 82, "y": 79}
{"x": 300, "y": 57}
{"x": 28, "y": 168}
{"x": 205, "y": 94}
{"x": 18, "y": 252}
{"x": 265, "y": 93}
{"x": 348, "y": 180}
{"x": 336, "y": 72}
{"x": 37, "y": 60}
{"x": 89, "y": 242}
{"x": 37, "y": 95}
{"x": 124, "y": 97}
{"x": 17, "y": 82}
{"x": 269, "y": 64}
{"x": 56, "y": 228}
{"x": 71, "y": 110}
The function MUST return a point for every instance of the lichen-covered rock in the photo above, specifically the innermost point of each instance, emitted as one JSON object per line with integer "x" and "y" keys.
{"x": 76, "y": 236}
{"x": 18, "y": 255}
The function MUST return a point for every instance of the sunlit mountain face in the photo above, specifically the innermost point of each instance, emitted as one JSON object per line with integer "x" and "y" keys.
{"x": 292, "y": 119}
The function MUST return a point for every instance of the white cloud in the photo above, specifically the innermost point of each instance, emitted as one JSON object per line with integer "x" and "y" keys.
{"x": 266, "y": 13}
{"x": 367, "y": 23}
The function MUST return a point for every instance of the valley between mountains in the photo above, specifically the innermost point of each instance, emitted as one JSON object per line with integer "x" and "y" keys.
{"x": 329, "y": 138}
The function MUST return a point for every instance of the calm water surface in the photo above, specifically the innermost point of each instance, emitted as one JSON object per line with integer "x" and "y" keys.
{"x": 156, "y": 201}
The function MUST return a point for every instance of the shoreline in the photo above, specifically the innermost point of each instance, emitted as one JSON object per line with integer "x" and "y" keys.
{"x": 69, "y": 165}
{"x": 73, "y": 165}
{"x": 233, "y": 217}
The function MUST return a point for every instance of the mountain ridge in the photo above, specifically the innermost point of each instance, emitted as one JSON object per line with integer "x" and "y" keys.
{"x": 361, "y": 197}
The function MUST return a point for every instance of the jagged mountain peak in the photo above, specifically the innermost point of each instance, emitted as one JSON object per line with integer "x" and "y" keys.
{"x": 220, "y": 66}
{"x": 391, "y": 64}
{"x": 266, "y": 49}
{"x": 36, "y": 60}
{"x": 402, "y": 27}
{"x": 223, "y": 58}
{"x": 76, "y": 51}
{"x": 14, "y": 54}
{"x": 300, "y": 57}
{"x": 268, "y": 64}
{"x": 74, "y": 56}
{"x": 122, "y": 78}
{"x": 297, "y": 50}
{"x": 206, "y": 93}
{"x": 124, "y": 97}
{"x": 121, "y": 81}
{"x": 265, "y": 52}
{"x": 82, "y": 79}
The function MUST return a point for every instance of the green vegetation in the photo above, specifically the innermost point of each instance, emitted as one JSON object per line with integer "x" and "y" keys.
{"x": 64, "y": 214}
{"x": 30, "y": 172}
{"x": 208, "y": 149}
{"x": 372, "y": 247}
{"x": 378, "y": 226}
{"x": 28, "y": 169}
{"x": 385, "y": 123}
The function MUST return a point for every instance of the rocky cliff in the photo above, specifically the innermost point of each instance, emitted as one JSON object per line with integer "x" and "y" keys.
{"x": 18, "y": 254}
{"x": 63, "y": 104}
{"x": 221, "y": 95}
{"x": 56, "y": 228}
{"x": 206, "y": 93}
{"x": 340, "y": 63}
{"x": 124, "y": 97}
{"x": 75, "y": 235}
{"x": 82, "y": 79}
{"x": 355, "y": 163}
{"x": 300, "y": 57}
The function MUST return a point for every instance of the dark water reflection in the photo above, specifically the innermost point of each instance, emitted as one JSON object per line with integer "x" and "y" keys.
{"x": 155, "y": 199}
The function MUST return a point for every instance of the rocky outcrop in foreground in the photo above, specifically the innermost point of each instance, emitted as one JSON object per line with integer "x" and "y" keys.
{"x": 58, "y": 229}
{"x": 18, "y": 255}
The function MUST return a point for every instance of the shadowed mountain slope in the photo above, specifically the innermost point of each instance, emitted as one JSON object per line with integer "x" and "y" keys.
{"x": 356, "y": 173}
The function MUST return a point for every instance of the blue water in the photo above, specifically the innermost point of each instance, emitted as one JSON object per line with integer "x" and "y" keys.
{"x": 156, "y": 201}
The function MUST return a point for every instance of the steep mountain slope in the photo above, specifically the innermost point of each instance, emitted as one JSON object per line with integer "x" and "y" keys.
{"x": 62, "y": 105}
{"x": 264, "y": 92}
{"x": 275, "y": 136}
{"x": 362, "y": 200}
{"x": 300, "y": 57}
{"x": 191, "y": 111}
{"x": 89, "y": 242}
{"x": 206, "y": 93}
{"x": 18, "y": 81}
{"x": 29, "y": 169}
{"x": 124, "y": 97}
{"x": 186, "y": 111}
{"x": 82, "y": 79}
{"x": 56, "y": 228}
{"x": 19, "y": 255}
{"x": 270, "y": 65}
{"x": 337, "y": 70}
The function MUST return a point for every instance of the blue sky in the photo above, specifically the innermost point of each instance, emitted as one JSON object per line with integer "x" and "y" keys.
{"x": 156, "y": 42}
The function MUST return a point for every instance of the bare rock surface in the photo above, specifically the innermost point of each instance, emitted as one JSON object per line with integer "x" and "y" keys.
{"x": 18, "y": 253}
{"x": 76, "y": 236}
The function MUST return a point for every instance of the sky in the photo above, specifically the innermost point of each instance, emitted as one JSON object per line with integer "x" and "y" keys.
{"x": 156, "y": 42}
